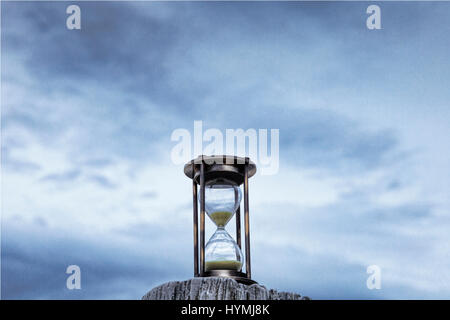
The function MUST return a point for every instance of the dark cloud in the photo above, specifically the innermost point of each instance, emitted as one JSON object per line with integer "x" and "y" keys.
{"x": 34, "y": 262}
{"x": 315, "y": 275}
{"x": 115, "y": 90}
{"x": 102, "y": 181}
{"x": 324, "y": 252}
{"x": 140, "y": 58}
{"x": 21, "y": 166}
{"x": 68, "y": 176}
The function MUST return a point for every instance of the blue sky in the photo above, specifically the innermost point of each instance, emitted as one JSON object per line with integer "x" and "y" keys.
{"x": 364, "y": 122}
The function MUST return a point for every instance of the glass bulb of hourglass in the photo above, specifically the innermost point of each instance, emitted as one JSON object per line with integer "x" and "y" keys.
{"x": 221, "y": 251}
{"x": 221, "y": 202}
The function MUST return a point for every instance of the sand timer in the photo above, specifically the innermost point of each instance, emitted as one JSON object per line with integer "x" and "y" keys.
{"x": 222, "y": 198}
{"x": 220, "y": 179}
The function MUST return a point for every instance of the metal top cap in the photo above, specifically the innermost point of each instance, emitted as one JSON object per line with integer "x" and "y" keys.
{"x": 218, "y": 168}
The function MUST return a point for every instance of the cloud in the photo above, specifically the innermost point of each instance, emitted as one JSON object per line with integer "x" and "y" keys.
{"x": 165, "y": 59}
{"x": 101, "y": 181}
{"x": 35, "y": 259}
{"x": 62, "y": 177}
{"x": 86, "y": 123}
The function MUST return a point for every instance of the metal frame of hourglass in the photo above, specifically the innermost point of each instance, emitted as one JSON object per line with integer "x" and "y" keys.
{"x": 206, "y": 170}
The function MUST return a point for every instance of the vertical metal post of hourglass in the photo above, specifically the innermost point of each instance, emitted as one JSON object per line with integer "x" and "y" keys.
{"x": 202, "y": 217}
{"x": 195, "y": 218}
{"x": 248, "y": 268}
{"x": 238, "y": 220}
{"x": 238, "y": 227}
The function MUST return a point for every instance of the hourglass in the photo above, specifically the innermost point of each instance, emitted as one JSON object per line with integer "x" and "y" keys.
{"x": 222, "y": 198}
{"x": 220, "y": 178}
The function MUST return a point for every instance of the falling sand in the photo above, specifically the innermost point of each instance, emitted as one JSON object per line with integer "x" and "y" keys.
{"x": 221, "y": 218}
{"x": 223, "y": 265}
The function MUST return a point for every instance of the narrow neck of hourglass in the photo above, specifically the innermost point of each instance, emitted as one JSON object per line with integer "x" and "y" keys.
{"x": 221, "y": 233}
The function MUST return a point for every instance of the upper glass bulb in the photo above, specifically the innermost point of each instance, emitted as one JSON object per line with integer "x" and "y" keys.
{"x": 221, "y": 202}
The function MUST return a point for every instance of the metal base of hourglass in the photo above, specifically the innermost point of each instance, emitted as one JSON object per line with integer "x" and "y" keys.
{"x": 236, "y": 275}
